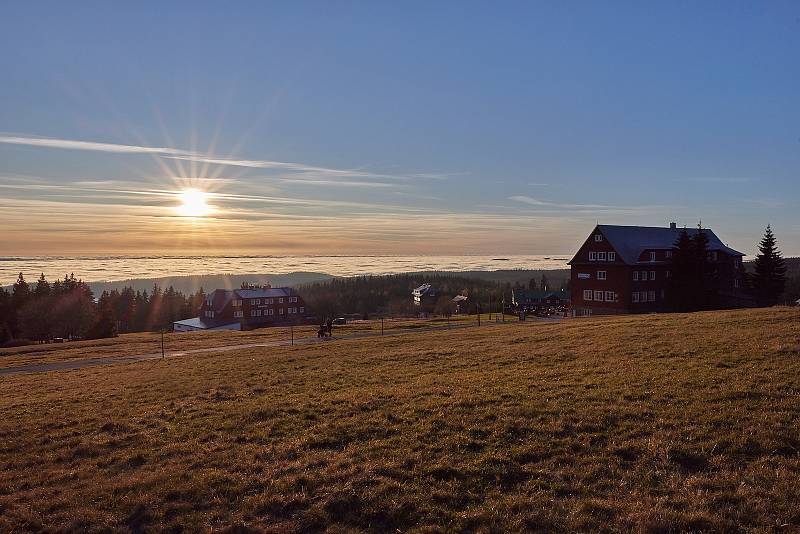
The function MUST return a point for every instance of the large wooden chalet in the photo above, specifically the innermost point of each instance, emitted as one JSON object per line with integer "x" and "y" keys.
{"x": 247, "y": 308}
{"x": 626, "y": 269}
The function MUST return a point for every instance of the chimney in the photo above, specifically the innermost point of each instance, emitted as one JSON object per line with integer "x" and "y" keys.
{"x": 673, "y": 226}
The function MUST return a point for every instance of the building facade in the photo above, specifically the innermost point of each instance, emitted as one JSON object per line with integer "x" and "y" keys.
{"x": 249, "y": 307}
{"x": 627, "y": 269}
{"x": 424, "y": 298}
{"x": 531, "y": 299}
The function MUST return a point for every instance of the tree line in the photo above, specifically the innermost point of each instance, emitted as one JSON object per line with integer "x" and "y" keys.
{"x": 694, "y": 282}
{"x": 67, "y": 309}
{"x": 391, "y": 294}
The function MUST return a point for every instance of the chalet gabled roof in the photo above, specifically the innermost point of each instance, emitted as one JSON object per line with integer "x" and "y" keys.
{"x": 424, "y": 289}
{"x": 264, "y": 292}
{"x": 538, "y": 294}
{"x": 631, "y": 241}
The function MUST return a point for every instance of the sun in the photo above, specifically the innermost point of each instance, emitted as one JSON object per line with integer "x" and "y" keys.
{"x": 194, "y": 203}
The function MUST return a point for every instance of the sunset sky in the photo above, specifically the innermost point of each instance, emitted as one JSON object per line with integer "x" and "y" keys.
{"x": 393, "y": 128}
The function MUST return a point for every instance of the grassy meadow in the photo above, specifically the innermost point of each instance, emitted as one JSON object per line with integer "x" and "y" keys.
{"x": 656, "y": 423}
{"x": 150, "y": 342}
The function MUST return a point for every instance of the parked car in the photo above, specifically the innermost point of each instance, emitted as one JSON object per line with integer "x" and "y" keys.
{"x": 340, "y": 320}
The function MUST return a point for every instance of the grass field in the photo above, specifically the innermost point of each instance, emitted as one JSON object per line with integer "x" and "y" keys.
{"x": 658, "y": 423}
{"x": 150, "y": 342}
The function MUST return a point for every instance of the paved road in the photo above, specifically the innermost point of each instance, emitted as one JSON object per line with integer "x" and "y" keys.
{"x": 111, "y": 360}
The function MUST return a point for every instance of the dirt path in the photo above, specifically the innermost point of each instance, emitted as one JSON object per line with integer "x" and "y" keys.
{"x": 111, "y": 360}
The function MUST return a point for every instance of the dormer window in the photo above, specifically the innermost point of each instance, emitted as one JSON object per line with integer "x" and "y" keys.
{"x": 598, "y": 238}
{"x": 652, "y": 255}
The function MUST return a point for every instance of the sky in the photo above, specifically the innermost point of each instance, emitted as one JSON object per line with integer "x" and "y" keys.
{"x": 393, "y": 128}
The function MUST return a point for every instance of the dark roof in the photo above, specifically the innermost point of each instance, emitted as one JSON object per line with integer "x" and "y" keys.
{"x": 631, "y": 241}
{"x": 263, "y": 292}
{"x": 537, "y": 294}
{"x": 424, "y": 289}
{"x": 221, "y": 297}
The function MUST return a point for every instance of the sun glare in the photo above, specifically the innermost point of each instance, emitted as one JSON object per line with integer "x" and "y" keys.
{"x": 194, "y": 203}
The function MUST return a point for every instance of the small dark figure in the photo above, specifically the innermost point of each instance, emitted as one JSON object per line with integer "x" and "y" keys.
{"x": 321, "y": 331}
{"x": 329, "y": 325}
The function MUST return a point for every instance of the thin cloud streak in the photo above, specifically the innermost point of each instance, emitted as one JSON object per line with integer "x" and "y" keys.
{"x": 198, "y": 157}
{"x": 531, "y": 201}
{"x": 69, "y": 144}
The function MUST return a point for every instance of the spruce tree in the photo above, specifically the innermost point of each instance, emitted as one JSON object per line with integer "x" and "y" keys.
{"x": 20, "y": 295}
{"x": 681, "y": 284}
{"x": 769, "y": 278}
{"x": 42, "y": 288}
{"x": 705, "y": 277}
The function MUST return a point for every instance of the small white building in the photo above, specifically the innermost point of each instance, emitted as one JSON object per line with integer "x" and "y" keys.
{"x": 194, "y": 324}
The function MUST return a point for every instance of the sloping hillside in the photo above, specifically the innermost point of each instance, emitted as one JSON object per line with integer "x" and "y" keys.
{"x": 650, "y": 423}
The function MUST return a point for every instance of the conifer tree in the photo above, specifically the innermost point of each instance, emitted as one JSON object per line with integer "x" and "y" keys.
{"x": 20, "y": 294}
{"x": 705, "y": 279}
{"x": 42, "y": 289}
{"x": 769, "y": 278}
{"x": 681, "y": 284}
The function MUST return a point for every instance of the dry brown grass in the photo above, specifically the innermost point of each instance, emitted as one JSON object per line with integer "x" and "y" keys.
{"x": 661, "y": 423}
{"x": 150, "y": 342}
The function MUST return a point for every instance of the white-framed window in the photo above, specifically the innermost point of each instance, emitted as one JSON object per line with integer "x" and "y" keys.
{"x": 210, "y": 314}
{"x": 598, "y": 296}
{"x": 302, "y": 310}
{"x": 668, "y": 254}
{"x": 598, "y": 237}
{"x": 292, "y": 299}
{"x": 592, "y": 256}
{"x": 256, "y": 302}
{"x": 601, "y": 256}
{"x": 651, "y": 296}
{"x": 635, "y": 296}
{"x": 612, "y": 256}
{"x": 280, "y": 311}
{"x": 652, "y": 255}
{"x": 255, "y": 313}
{"x": 635, "y": 276}
{"x": 652, "y": 275}
{"x": 601, "y": 275}
{"x": 587, "y": 294}
{"x": 735, "y": 282}
{"x": 238, "y": 313}
{"x": 291, "y": 311}
{"x": 237, "y": 303}
{"x": 610, "y": 296}
{"x": 270, "y": 311}
{"x": 280, "y": 300}
{"x": 644, "y": 275}
{"x": 267, "y": 301}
